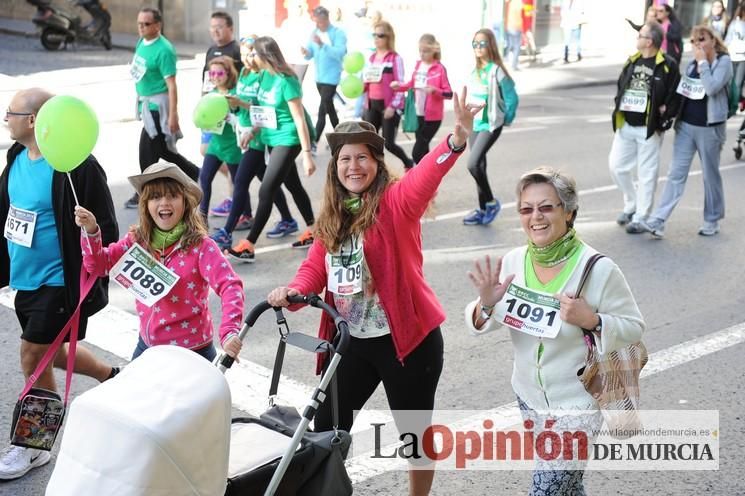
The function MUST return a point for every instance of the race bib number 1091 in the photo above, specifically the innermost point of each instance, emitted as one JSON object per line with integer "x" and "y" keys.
{"x": 532, "y": 312}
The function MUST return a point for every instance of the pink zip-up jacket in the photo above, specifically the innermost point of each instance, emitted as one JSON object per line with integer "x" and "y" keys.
{"x": 393, "y": 252}
{"x": 393, "y": 70}
{"x": 182, "y": 317}
{"x": 437, "y": 76}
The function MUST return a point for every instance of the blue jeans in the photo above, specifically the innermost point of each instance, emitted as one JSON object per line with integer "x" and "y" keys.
{"x": 512, "y": 53}
{"x": 209, "y": 352}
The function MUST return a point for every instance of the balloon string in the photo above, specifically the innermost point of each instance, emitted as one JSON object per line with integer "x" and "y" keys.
{"x": 77, "y": 204}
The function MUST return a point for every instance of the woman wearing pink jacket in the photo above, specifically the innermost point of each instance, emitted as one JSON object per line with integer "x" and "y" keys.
{"x": 384, "y": 106}
{"x": 431, "y": 87}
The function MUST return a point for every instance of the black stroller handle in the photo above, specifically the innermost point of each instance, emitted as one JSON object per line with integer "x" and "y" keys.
{"x": 226, "y": 361}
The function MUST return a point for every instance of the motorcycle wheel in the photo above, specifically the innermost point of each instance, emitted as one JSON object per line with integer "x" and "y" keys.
{"x": 52, "y": 39}
{"x": 106, "y": 40}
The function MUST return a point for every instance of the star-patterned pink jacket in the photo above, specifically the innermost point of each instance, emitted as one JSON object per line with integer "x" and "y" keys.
{"x": 182, "y": 317}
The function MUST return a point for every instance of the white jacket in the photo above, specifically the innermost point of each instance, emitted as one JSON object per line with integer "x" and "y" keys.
{"x": 606, "y": 291}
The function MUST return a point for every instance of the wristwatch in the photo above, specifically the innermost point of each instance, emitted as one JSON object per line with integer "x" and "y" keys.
{"x": 486, "y": 312}
{"x": 452, "y": 146}
{"x": 598, "y": 327}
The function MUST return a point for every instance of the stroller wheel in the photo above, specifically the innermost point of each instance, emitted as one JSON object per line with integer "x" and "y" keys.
{"x": 738, "y": 152}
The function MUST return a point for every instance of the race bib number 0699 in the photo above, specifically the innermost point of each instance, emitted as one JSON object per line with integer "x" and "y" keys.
{"x": 532, "y": 312}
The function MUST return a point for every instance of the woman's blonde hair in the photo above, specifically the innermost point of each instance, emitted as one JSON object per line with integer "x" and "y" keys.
{"x": 227, "y": 64}
{"x": 248, "y": 43}
{"x": 335, "y": 222}
{"x": 196, "y": 230}
{"x": 431, "y": 42}
{"x": 719, "y": 46}
{"x": 391, "y": 36}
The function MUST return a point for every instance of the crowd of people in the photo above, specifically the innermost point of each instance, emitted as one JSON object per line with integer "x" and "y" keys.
{"x": 369, "y": 218}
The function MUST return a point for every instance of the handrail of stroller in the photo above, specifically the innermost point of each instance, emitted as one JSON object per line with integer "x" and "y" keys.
{"x": 225, "y": 361}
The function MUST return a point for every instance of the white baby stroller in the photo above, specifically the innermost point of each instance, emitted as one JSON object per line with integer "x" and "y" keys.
{"x": 148, "y": 431}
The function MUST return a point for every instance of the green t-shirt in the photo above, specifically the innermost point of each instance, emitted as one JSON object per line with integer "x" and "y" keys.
{"x": 247, "y": 89}
{"x": 225, "y": 146}
{"x": 151, "y": 65}
{"x": 478, "y": 91}
{"x": 557, "y": 283}
{"x": 275, "y": 90}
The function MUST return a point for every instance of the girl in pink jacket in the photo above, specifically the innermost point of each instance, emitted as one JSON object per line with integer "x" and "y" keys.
{"x": 169, "y": 263}
{"x": 431, "y": 87}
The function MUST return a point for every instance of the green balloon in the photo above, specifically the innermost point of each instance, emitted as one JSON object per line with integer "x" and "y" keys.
{"x": 352, "y": 87}
{"x": 66, "y": 131}
{"x": 354, "y": 62}
{"x": 210, "y": 110}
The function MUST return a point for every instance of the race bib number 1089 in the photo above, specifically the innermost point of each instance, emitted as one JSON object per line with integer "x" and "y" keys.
{"x": 143, "y": 276}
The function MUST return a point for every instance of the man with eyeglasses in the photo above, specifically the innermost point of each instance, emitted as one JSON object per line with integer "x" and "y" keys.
{"x": 645, "y": 105}
{"x": 154, "y": 72}
{"x": 327, "y": 47}
{"x": 43, "y": 260}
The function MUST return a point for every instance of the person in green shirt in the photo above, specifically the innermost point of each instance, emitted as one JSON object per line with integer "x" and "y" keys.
{"x": 223, "y": 146}
{"x": 154, "y": 72}
{"x": 252, "y": 163}
{"x": 280, "y": 117}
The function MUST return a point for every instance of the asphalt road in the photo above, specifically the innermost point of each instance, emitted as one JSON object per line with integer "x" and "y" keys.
{"x": 687, "y": 286}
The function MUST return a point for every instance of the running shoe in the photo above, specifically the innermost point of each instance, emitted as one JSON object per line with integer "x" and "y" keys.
{"x": 16, "y": 461}
{"x": 282, "y": 229}
{"x": 223, "y": 238}
{"x": 491, "y": 211}
{"x": 305, "y": 239}
{"x": 654, "y": 226}
{"x": 133, "y": 202}
{"x": 243, "y": 251}
{"x": 709, "y": 229}
{"x": 474, "y": 218}
{"x": 245, "y": 222}
{"x": 223, "y": 209}
{"x": 624, "y": 218}
{"x": 635, "y": 228}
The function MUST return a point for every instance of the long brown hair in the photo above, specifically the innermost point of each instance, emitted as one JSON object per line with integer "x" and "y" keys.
{"x": 335, "y": 223}
{"x": 196, "y": 230}
{"x": 492, "y": 50}
{"x": 266, "y": 48}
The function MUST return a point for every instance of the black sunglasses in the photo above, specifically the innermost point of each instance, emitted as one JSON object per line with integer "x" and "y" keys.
{"x": 700, "y": 39}
{"x": 145, "y": 24}
{"x": 380, "y": 35}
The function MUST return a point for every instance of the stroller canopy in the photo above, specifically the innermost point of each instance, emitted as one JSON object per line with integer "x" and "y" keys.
{"x": 161, "y": 427}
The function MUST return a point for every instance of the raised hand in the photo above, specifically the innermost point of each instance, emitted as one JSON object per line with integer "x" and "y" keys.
{"x": 486, "y": 280}
{"x": 464, "y": 114}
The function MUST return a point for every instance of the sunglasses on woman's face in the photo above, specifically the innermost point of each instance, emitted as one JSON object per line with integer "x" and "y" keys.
{"x": 700, "y": 39}
{"x": 480, "y": 44}
{"x": 544, "y": 209}
{"x": 380, "y": 35}
{"x": 219, "y": 73}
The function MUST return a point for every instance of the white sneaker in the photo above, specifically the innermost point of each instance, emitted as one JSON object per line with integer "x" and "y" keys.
{"x": 16, "y": 461}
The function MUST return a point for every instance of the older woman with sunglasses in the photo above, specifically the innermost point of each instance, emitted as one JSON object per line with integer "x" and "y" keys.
{"x": 525, "y": 288}
{"x": 700, "y": 128}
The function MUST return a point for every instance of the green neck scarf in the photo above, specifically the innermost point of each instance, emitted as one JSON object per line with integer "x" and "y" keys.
{"x": 163, "y": 239}
{"x": 353, "y": 204}
{"x": 557, "y": 252}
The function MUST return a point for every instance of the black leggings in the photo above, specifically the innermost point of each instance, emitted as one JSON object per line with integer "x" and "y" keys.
{"x": 281, "y": 169}
{"x": 251, "y": 165}
{"x": 210, "y": 166}
{"x": 153, "y": 149}
{"x": 374, "y": 115}
{"x": 368, "y": 362}
{"x": 480, "y": 143}
{"x": 425, "y": 131}
{"x": 327, "y": 92}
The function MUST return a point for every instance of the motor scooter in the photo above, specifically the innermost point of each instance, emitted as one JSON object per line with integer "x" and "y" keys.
{"x": 59, "y": 27}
